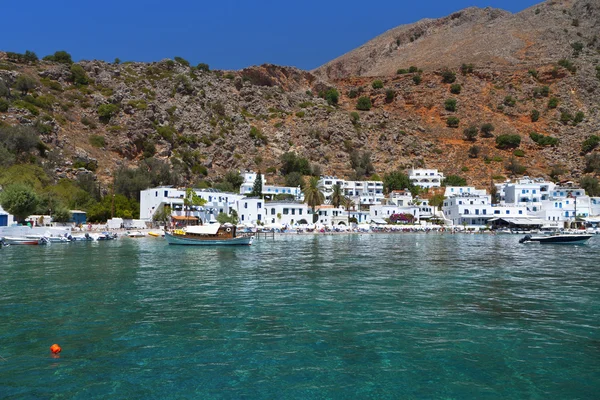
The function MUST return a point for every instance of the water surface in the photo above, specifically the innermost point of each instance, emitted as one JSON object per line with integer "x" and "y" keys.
{"x": 407, "y": 316}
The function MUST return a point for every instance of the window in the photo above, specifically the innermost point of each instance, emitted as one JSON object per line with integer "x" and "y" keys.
{"x": 242, "y": 217}
{"x": 484, "y": 211}
{"x": 166, "y": 193}
{"x": 286, "y": 211}
{"x": 258, "y": 205}
{"x": 259, "y": 217}
{"x": 245, "y": 205}
{"x": 508, "y": 211}
{"x": 520, "y": 211}
{"x": 272, "y": 211}
{"x": 477, "y": 211}
{"x": 293, "y": 211}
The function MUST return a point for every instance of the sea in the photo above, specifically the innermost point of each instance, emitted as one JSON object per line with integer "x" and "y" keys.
{"x": 354, "y": 316}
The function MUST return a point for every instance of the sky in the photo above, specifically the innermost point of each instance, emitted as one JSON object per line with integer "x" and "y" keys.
{"x": 229, "y": 35}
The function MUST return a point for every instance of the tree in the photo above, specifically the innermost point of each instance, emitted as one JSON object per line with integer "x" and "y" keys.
{"x": 389, "y": 95}
{"x": 235, "y": 179}
{"x": 364, "y": 103}
{"x": 313, "y": 196}
{"x": 107, "y": 111}
{"x": 337, "y": 196}
{"x": 396, "y": 180}
{"x": 417, "y": 79}
{"x": 60, "y": 56}
{"x": 332, "y": 96}
{"x": 25, "y": 83}
{"x": 257, "y": 187}
{"x": 474, "y": 151}
{"x": 78, "y": 75}
{"x": 590, "y": 144}
{"x": 377, "y": 84}
{"x": 508, "y": 141}
{"x": 455, "y": 180}
{"x": 535, "y": 115}
{"x": 293, "y": 179}
{"x": 487, "y": 129}
{"x": 591, "y": 185}
{"x": 455, "y": 88}
{"x": 61, "y": 214}
{"x": 494, "y": 193}
{"x": 450, "y": 104}
{"x": 437, "y": 200}
{"x": 232, "y": 218}
{"x": 292, "y": 163}
{"x": 203, "y": 67}
{"x": 514, "y": 167}
{"x": 470, "y": 133}
{"x": 448, "y": 76}
{"x": 19, "y": 199}
{"x": 452, "y": 122}
{"x": 191, "y": 199}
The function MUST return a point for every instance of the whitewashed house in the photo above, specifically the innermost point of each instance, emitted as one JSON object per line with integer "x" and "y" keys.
{"x": 286, "y": 213}
{"x": 379, "y": 213}
{"x": 268, "y": 190}
{"x": 360, "y": 192}
{"x": 426, "y": 178}
{"x": 6, "y": 219}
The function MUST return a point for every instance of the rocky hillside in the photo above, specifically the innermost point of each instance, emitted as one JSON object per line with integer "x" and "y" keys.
{"x": 486, "y": 37}
{"x": 536, "y": 71}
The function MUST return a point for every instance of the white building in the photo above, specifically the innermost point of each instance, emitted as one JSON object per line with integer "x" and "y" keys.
{"x": 383, "y": 212}
{"x": 525, "y": 192}
{"x": 155, "y": 199}
{"x": 361, "y": 192}
{"x": 6, "y": 219}
{"x": 426, "y": 178}
{"x": 286, "y": 213}
{"x": 460, "y": 190}
{"x": 331, "y": 216}
{"x": 268, "y": 190}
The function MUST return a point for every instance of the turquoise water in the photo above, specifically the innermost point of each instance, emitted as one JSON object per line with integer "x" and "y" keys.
{"x": 408, "y": 316}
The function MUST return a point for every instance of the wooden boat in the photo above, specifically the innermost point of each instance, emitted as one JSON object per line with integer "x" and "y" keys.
{"x": 574, "y": 238}
{"x": 207, "y": 235}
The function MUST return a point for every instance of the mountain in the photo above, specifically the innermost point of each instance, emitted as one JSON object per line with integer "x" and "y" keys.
{"x": 491, "y": 37}
{"x": 95, "y": 117}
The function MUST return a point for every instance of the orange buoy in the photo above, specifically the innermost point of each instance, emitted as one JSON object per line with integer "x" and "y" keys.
{"x": 55, "y": 348}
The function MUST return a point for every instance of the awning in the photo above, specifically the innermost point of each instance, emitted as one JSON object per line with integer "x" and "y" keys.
{"x": 519, "y": 221}
{"x": 210, "y": 229}
{"x": 184, "y": 218}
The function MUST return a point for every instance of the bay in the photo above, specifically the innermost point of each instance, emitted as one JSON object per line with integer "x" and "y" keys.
{"x": 381, "y": 316}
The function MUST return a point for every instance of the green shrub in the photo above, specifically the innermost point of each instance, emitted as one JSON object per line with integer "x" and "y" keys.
{"x": 452, "y": 122}
{"x": 97, "y": 141}
{"x": 377, "y": 84}
{"x": 577, "y": 48}
{"x": 26, "y": 106}
{"x": 88, "y": 122}
{"x": 455, "y": 88}
{"x": 167, "y": 132}
{"x": 474, "y": 151}
{"x": 25, "y": 83}
{"x": 514, "y": 167}
{"x": 4, "y": 105}
{"x": 470, "y": 133}
{"x": 107, "y": 111}
{"x": 413, "y": 69}
{"x": 448, "y": 76}
{"x": 543, "y": 140}
{"x": 390, "y": 95}
{"x": 568, "y": 65}
{"x": 519, "y": 153}
{"x": 578, "y": 117}
{"x": 565, "y": 117}
{"x": 401, "y": 71}
{"x": 331, "y": 95}
{"x": 363, "y": 103}
{"x": 354, "y": 117}
{"x": 306, "y": 104}
{"x": 300, "y": 114}
{"x": 203, "y": 67}
{"x": 508, "y": 141}
{"x": 543, "y": 91}
{"x": 450, "y": 104}
{"x": 467, "y": 69}
{"x": 590, "y": 144}
{"x": 510, "y": 101}
{"x": 138, "y": 104}
{"x": 533, "y": 73}
{"x": 417, "y": 79}
{"x": 78, "y": 75}
{"x": 553, "y": 102}
{"x": 535, "y": 115}
{"x": 352, "y": 93}
{"x": 182, "y": 61}
{"x": 257, "y": 135}
{"x": 60, "y": 56}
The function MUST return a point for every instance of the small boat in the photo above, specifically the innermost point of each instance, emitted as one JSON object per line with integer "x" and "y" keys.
{"x": 135, "y": 234}
{"x": 156, "y": 234}
{"x": 12, "y": 240}
{"x": 574, "y": 238}
{"x": 85, "y": 238}
{"x": 208, "y": 235}
{"x": 106, "y": 236}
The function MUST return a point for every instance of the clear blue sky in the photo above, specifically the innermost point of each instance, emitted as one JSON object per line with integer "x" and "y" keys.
{"x": 226, "y": 35}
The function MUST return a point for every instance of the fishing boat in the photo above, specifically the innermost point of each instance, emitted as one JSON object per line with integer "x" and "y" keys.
{"x": 572, "y": 238}
{"x": 207, "y": 235}
{"x": 13, "y": 240}
{"x": 85, "y": 238}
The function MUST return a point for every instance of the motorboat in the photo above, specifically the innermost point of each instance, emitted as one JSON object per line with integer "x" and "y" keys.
{"x": 208, "y": 235}
{"x": 569, "y": 238}
{"x": 157, "y": 234}
{"x": 13, "y": 240}
{"x": 135, "y": 234}
{"x": 106, "y": 236}
{"x": 85, "y": 238}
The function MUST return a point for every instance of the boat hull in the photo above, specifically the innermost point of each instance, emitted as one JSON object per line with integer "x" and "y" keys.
{"x": 182, "y": 240}
{"x": 556, "y": 239}
{"x": 23, "y": 241}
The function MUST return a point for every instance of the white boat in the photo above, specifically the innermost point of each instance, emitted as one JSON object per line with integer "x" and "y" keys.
{"x": 85, "y": 238}
{"x": 12, "y": 240}
{"x": 570, "y": 238}
{"x": 135, "y": 234}
{"x": 106, "y": 236}
{"x": 208, "y": 235}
